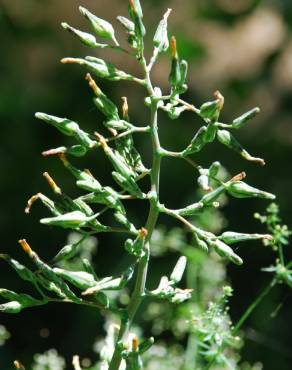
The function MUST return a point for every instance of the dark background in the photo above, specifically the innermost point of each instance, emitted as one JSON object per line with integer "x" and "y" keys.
{"x": 242, "y": 47}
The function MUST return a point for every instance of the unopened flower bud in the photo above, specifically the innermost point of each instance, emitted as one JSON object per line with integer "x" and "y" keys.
{"x": 101, "y": 27}
{"x": 241, "y": 121}
{"x": 86, "y": 38}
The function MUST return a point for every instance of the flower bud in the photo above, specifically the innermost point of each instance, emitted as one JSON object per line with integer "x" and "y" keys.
{"x": 214, "y": 169}
{"x": 225, "y": 251}
{"x": 231, "y": 237}
{"x": 23, "y": 272}
{"x": 144, "y": 346}
{"x": 175, "y": 72}
{"x": 135, "y": 247}
{"x": 211, "y": 110}
{"x": 102, "y": 102}
{"x": 127, "y": 24}
{"x": 191, "y": 210}
{"x": 69, "y": 220}
{"x": 227, "y": 139}
{"x": 240, "y": 189}
{"x": 81, "y": 279}
{"x": 68, "y": 128}
{"x": 211, "y": 197}
{"x": 11, "y": 307}
{"x": 178, "y": 270}
{"x": 197, "y": 142}
{"x": 117, "y": 124}
{"x": 161, "y": 37}
{"x": 241, "y": 121}
{"x": 101, "y": 27}
{"x": 86, "y": 38}
{"x": 203, "y": 179}
{"x": 200, "y": 243}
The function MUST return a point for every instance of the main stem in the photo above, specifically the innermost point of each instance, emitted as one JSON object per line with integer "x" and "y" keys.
{"x": 139, "y": 288}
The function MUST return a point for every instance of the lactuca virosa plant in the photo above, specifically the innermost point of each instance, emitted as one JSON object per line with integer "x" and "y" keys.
{"x": 53, "y": 282}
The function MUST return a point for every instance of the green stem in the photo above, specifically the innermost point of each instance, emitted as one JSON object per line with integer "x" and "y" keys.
{"x": 139, "y": 288}
{"x": 252, "y": 307}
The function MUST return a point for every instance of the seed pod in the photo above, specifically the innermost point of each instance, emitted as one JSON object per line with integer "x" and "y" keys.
{"x": 214, "y": 169}
{"x": 11, "y": 307}
{"x": 178, "y": 270}
{"x": 240, "y": 189}
{"x": 161, "y": 37}
{"x": 175, "y": 72}
{"x": 225, "y": 251}
{"x": 197, "y": 142}
{"x": 227, "y": 139}
{"x": 127, "y": 24}
{"x": 81, "y": 279}
{"x": 23, "y": 272}
{"x": 101, "y": 27}
{"x": 241, "y": 121}
{"x": 231, "y": 237}
{"x": 86, "y": 38}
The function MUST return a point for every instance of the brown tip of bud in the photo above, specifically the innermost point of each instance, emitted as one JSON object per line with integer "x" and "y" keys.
{"x": 86, "y": 170}
{"x": 132, "y": 4}
{"x": 173, "y": 47}
{"x": 113, "y": 131}
{"x": 52, "y": 183}
{"x": 30, "y": 202}
{"x": 220, "y": 97}
{"x": 63, "y": 159}
{"x": 67, "y": 60}
{"x": 135, "y": 343}
{"x": 18, "y": 365}
{"x": 239, "y": 177}
{"x": 93, "y": 84}
{"x": 143, "y": 232}
{"x": 101, "y": 140}
{"x": 25, "y": 246}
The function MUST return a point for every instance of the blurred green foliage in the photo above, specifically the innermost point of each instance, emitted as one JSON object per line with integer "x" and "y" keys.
{"x": 243, "y": 48}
